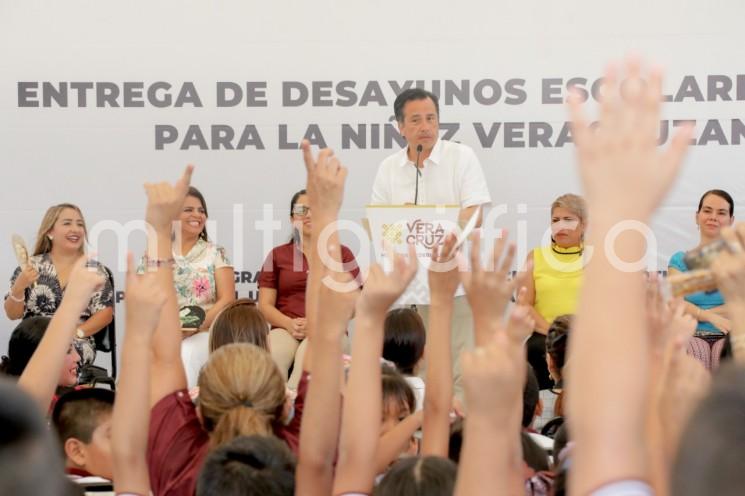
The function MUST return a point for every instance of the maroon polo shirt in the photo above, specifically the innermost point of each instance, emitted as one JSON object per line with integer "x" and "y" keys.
{"x": 178, "y": 444}
{"x": 279, "y": 272}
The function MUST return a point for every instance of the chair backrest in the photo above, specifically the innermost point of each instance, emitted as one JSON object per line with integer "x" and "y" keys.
{"x": 106, "y": 338}
{"x": 552, "y": 426}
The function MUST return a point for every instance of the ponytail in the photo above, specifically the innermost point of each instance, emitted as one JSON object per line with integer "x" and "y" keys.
{"x": 240, "y": 421}
{"x": 241, "y": 392}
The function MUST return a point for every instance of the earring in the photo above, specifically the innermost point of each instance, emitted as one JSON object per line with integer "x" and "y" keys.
{"x": 50, "y": 237}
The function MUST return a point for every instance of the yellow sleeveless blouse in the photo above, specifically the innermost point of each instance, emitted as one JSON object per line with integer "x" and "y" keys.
{"x": 557, "y": 276}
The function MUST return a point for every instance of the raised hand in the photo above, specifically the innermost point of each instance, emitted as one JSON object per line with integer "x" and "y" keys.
{"x": 83, "y": 282}
{"x": 326, "y": 176}
{"x": 621, "y": 154}
{"x": 165, "y": 201}
{"x": 487, "y": 289}
{"x": 443, "y": 272}
{"x": 493, "y": 377}
{"x": 521, "y": 323}
{"x": 667, "y": 321}
{"x": 382, "y": 289}
{"x": 145, "y": 299}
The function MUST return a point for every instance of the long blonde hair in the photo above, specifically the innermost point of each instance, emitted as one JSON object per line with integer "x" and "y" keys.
{"x": 241, "y": 392}
{"x": 43, "y": 243}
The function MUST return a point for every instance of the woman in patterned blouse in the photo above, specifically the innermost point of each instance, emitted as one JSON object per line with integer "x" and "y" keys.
{"x": 203, "y": 276}
{"x": 37, "y": 288}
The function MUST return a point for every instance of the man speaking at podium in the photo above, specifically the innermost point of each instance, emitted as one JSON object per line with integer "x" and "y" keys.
{"x": 430, "y": 171}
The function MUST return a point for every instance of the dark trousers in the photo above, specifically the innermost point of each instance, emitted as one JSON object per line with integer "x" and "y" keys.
{"x": 536, "y": 347}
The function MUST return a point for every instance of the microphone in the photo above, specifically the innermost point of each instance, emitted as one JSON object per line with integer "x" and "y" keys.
{"x": 418, "y": 173}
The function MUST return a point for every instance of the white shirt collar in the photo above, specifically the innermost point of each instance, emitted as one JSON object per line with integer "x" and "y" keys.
{"x": 434, "y": 156}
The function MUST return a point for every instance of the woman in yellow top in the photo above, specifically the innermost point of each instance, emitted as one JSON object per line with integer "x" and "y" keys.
{"x": 557, "y": 276}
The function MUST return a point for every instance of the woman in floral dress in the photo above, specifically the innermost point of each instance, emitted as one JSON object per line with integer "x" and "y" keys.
{"x": 203, "y": 276}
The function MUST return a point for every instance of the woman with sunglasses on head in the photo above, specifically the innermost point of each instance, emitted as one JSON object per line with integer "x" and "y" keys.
{"x": 37, "y": 288}
{"x": 282, "y": 283}
{"x": 716, "y": 209}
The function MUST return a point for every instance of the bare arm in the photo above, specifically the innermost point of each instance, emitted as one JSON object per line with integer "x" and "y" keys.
{"x": 267, "y": 302}
{"x": 396, "y": 441}
{"x": 323, "y": 400}
{"x": 360, "y": 432}
{"x": 718, "y": 316}
{"x": 164, "y": 204}
{"x": 438, "y": 395}
{"x": 13, "y": 308}
{"x": 493, "y": 376}
{"x": 97, "y": 321}
{"x": 613, "y": 161}
{"x": 131, "y": 415}
{"x": 225, "y": 286}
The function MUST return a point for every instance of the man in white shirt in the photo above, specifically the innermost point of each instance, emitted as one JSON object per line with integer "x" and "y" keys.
{"x": 449, "y": 173}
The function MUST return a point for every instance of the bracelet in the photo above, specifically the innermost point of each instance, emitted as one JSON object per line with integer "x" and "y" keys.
{"x": 14, "y": 298}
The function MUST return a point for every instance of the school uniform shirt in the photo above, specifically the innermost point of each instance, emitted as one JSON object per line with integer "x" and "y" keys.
{"x": 178, "y": 444}
{"x": 286, "y": 271}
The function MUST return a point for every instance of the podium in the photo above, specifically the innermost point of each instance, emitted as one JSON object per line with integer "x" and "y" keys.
{"x": 425, "y": 226}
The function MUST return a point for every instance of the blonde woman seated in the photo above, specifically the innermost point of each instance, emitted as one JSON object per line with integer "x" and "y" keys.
{"x": 556, "y": 277}
{"x": 282, "y": 282}
{"x": 37, "y": 289}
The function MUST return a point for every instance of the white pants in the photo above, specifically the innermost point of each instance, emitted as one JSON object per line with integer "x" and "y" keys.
{"x": 194, "y": 354}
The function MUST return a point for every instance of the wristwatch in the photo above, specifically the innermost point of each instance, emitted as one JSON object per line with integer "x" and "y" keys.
{"x": 79, "y": 333}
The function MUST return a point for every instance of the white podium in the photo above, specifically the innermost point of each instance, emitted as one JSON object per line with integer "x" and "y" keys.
{"x": 423, "y": 225}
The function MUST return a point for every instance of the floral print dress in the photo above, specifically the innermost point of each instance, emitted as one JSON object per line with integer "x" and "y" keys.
{"x": 194, "y": 274}
{"x": 44, "y": 297}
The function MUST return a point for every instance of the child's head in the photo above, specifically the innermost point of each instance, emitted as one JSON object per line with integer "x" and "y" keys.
{"x": 557, "y": 343}
{"x": 404, "y": 339}
{"x": 29, "y": 464}
{"x": 398, "y": 399}
{"x": 241, "y": 392}
{"x": 23, "y": 343}
{"x": 239, "y": 322}
{"x": 248, "y": 465}
{"x": 412, "y": 476}
{"x": 82, "y": 419}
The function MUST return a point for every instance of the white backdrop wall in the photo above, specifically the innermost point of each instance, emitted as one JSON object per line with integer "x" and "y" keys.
{"x": 501, "y": 69}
